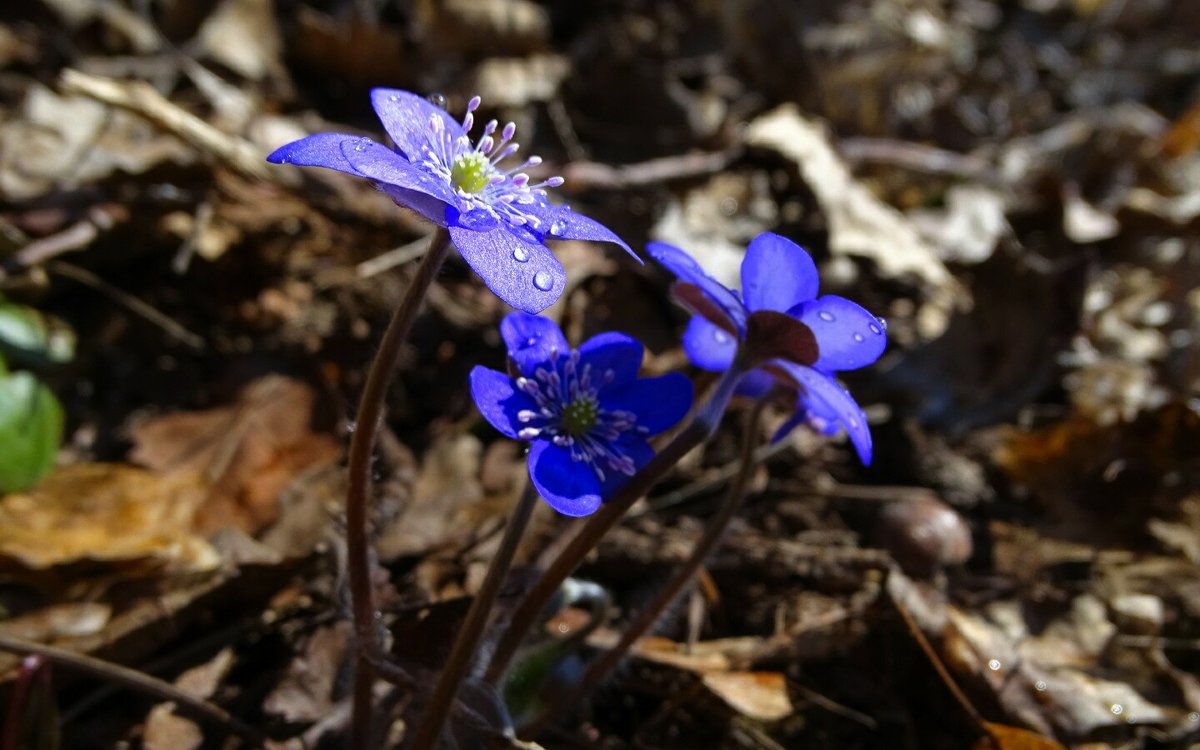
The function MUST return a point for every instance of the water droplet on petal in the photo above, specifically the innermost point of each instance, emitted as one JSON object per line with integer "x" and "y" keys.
{"x": 557, "y": 227}
{"x": 543, "y": 281}
{"x": 437, "y": 100}
{"x": 859, "y": 338}
{"x": 394, "y": 98}
{"x": 361, "y": 145}
{"x": 875, "y": 329}
{"x": 826, "y": 316}
{"x": 520, "y": 255}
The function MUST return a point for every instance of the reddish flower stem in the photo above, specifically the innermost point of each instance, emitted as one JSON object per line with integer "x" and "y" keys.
{"x": 362, "y": 447}
{"x": 463, "y": 652}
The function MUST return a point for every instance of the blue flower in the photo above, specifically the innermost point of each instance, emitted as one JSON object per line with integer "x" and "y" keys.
{"x": 497, "y": 218}
{"x": 779, "y": 277}
{"x": 586, "y": 411}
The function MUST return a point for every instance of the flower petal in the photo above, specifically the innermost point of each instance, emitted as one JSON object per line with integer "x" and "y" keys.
{"x": 524, "y": 274}
{"x": 614, "y": 357}
{"x": 407, "y": 119}
{"x": 378, "y": 162}
{"x": 777, "y": 274}
{"x": 638, "y": 450}
{"x": 319, "y": 150}
{"x": 848, "y": 337}
{"x": 755, "y": 384}
{"x": 531, "y": 339}
{"x": 659, "y": 403}
{"x": 571, "y": 487}
{"x": 498, "y": 399}
{"x": 687, "y": 269}
{"x": 709, "y": 346}
{"x": 825, "y": 405}
{"x": 562, "y": 223}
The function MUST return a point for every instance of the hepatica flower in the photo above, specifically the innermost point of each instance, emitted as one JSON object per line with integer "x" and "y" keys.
{"x": 585, "y": 411}
{"x": 498, "y": 219}
{"x": 779, "y": 290}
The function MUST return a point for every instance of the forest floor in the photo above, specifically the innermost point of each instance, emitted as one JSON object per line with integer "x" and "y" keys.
{"x": 1014, "y": 187}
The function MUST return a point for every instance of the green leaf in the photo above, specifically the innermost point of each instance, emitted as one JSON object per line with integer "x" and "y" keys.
{"x": 31, "y": 426}
{"x": 32, "y": 337}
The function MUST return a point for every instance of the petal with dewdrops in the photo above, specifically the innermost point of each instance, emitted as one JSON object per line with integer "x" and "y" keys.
{"x": 524, "y": 274}
{"x": 562, "y": 223}
{"x": 410, "y": 121}
{"x": 847, "y": 335}
{"x": 821, "y": 400}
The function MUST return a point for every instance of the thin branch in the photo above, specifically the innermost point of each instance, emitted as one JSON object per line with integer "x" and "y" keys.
{"x": 141, "y": 682}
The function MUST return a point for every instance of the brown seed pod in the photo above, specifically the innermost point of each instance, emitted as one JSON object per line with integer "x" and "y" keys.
{"x": 924, "y": 535}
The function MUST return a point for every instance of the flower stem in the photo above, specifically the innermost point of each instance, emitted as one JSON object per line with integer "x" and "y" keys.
{"x": 666, "y": 597}
{"x": 358, "y": 468}
{"x": 463, "y": 652}
{"x": 702, "y": 426}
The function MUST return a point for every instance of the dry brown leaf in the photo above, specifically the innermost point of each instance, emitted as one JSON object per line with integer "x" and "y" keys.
{"x": 758, "y": 695}
{"x": 1012, "y": 738}
{"x": 106, "y": 512}
{"x": 165, "y": 730}
{"x": 306, "y": 692}
{"x": 247, "y": 453}
{"x": 860, "y": 224}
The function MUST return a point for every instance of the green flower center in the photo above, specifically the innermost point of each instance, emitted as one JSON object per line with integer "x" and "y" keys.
{"x": 471, "y": 172}
{"x": 580, "y": 415}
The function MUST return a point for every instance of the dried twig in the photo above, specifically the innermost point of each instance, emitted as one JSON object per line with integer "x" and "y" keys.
{"x": 141, "y": 98}
{"x": 144, "y": 683}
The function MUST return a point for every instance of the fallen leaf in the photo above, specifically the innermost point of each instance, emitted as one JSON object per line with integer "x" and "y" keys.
{"x": 758, "y": 695}
{"x": 247, "y": 453}
{"x": 106, "y": 512}
{"x": 860, "y": 224}
{"x": 1013, "y": 738}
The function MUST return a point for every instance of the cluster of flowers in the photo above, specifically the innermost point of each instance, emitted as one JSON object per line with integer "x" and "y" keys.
{"x": 585, "y": 411}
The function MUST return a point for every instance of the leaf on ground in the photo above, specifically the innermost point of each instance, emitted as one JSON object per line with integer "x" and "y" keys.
{"x": 1003, "y": 737}
{"x": 165, "y": 729}
{"x": 247, "y": 453}
{"x": 31, "y": 424}
{"x": 860, "y": 224}
{"x": 758, "y": 695}
{"x": 106, "y": 512}
{"x": 306, "y": 691}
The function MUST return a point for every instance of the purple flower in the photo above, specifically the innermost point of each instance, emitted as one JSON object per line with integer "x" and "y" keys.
{"x": 497, "y": 218}
{"x": 586, "y": 411}
{"x": 778, "y": 276}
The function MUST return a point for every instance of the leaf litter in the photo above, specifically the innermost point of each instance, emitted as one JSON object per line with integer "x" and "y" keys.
{"x": 1016, "y": 185}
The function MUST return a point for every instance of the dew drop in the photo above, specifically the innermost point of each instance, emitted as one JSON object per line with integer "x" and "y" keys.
{"x": 543, "y": 281}
{"x": 875, "y": 329}
{"x": 520, "y": 255}
{"x": 361, "y": 146}
{"x": 859, "y": 338}
{"x": 437, "y": 100}
{"x": 557, "y": 227}
{"x": 394, "y": 98}
{"x": 826, "y": 316}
